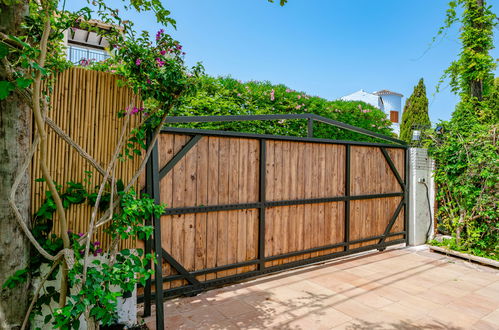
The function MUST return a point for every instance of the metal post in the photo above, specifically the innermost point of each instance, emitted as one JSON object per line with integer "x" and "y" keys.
{"x": 153, "y": 188}
{"x": 347, "y": 194}
{"x": 261, "y": 223}
{"x": 148, "y": 242}
{"x": 406, "y": 194}
{"x": 310, "y": 128}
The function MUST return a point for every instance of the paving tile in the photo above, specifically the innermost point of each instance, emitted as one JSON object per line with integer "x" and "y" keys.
{"x": 353, "y": 308}
{"x": 436, "y": 297}
{"x": 203, "y": 314}
{"x": 233, "y": 308}
{"x": 421, "y": 304}
{"x": 404, "y": 311}
{"x": 392, "y": 293}
{"x": 373, "y": 300}
{"x": 485, "y": 325}
{"x": 453, "y": 317}
{"x": 493, "y": 317}
{"x": 324, "y": 319}
{"x": 474, "y": 304}
{"x": 178, "y": 322}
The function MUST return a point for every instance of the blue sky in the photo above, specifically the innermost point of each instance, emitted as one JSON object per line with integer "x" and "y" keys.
{"x": 327, "y": 48}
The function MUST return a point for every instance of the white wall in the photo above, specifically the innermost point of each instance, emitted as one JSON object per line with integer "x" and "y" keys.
{"x": 393, "y": 103}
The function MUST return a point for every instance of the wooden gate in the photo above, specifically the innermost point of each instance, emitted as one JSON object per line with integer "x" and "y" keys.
{"x": 241, "y": 205}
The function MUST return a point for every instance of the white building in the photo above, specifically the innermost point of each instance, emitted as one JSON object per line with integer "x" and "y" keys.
{"x": 84, "y": 45}
{"x": 387, "y": 101}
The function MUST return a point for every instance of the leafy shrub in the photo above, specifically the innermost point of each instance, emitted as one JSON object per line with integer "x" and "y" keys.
{"x": 467, "y": 176}
{"x": 228, "y": 96}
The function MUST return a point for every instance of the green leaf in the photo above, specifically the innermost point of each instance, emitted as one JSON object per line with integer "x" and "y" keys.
{"x": 23, "y": 82}
{"x": 4, "y": 50}
{"x": 5, "y": 88}
{"x": 20, "y": 41}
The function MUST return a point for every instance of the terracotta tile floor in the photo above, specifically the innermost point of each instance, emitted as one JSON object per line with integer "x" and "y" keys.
{"x": 401, "y": 288}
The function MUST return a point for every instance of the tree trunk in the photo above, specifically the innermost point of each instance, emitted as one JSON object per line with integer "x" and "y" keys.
{"x": 460, "y": 226}
{"x": 476, "y": 86}
{"x": 15, "y": 139}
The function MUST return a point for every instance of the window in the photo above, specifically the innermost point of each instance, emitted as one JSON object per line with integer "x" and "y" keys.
{"x": 394, "y": 116}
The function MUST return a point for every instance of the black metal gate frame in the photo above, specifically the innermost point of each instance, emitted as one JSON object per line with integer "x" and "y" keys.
{"x": 154, "y": 175}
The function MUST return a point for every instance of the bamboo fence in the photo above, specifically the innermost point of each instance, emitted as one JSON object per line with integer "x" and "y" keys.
{"x": 85, "y": 105}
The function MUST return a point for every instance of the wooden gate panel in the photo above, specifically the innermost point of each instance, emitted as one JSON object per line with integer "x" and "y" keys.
{"x": 371, "y": 173}
{"x": 214, "y": 171}
{"x": 318, "y": 167}
{"x": 329, "y": 230}
{"x": 370, "y": 218}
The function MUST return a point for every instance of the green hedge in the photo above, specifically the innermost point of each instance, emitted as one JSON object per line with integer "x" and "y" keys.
{"x": 228, "y": 96}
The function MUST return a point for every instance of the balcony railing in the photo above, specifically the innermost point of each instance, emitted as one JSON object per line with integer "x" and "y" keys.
{"x": 84, "y": 56}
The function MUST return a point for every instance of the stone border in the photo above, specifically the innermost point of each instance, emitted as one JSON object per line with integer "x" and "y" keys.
{"x": 484, "y": 261}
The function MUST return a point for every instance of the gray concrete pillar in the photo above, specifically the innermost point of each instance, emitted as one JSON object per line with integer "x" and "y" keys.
{"x": 421, "y": 196}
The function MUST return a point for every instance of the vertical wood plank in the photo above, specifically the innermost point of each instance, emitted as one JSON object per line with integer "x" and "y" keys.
{"x": 242, "y": 215}
{"x": 269, "y": 192}
{"x": 233, "y": 199}
{"x": 277, "y": 230}
{"x": 201, "y": 199}
{"x": 178, "y": 200}
{"x": 212, "y": 217}
{"x": 190, "y": 200}
{"x": 223, "y": 217}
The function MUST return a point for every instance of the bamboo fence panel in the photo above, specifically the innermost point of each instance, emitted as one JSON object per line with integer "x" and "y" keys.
{"x": 84, "y": 104}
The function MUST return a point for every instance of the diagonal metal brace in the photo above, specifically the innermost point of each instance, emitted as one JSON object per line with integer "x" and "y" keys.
{"x": 392, "y": 221}
{"x": 188, "y": 146}
{"x": 179, "y": 268}
{"x": 393, "y": 168}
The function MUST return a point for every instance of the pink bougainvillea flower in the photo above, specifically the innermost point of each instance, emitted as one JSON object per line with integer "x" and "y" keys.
{"x": 239, "y": 94}
{"x": 163, "y": 52}
{"x": 159, "y": 34}
{"x": 128, "y": 229}
{"x": 281, "y": 121}
{"x": 149, "y": 81}
{"x": 96, "y": 252}
{"x": 288, "y": 90}
{"x": 138, "y": 61}
{"x": 179, "y": 47}
{"x": 159, "y": 62}
{"x": 135, "y": 110}
{"x": 298, "y": 107}
{"x": 272, "y": 95}
{"x": 299, "y": 97}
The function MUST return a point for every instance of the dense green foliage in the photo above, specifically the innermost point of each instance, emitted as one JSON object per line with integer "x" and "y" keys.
{"x": 228, "y": 96}
{"x": 467, "y": 176}
{"x": 466, "y": 148}
{"x": 415, "y": 112}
